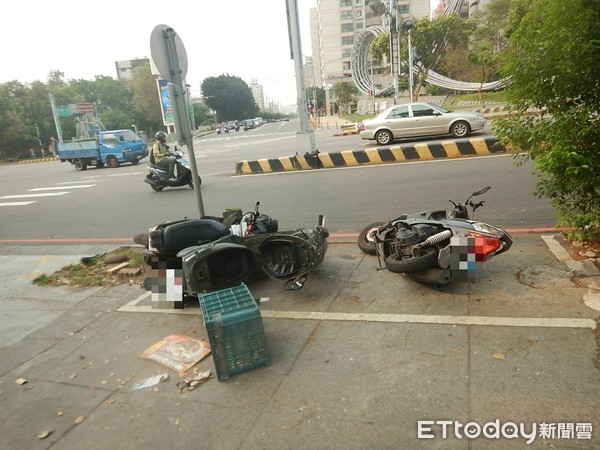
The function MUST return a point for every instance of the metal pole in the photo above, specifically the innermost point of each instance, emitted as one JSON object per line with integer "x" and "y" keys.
{"x": 407, "y": 25}
{"x": 410, "y": 64}
{"x": 37, "y": 130}
{"x": 373, "y": 84}
{"x": 305, "y": 137}
{"x": 56, "y": 119}
{"x": 180, "y": 113}
{"x": 394, "y": 55}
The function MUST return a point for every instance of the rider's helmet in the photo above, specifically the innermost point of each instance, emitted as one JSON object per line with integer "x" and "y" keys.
{"x": 161, "y": 136}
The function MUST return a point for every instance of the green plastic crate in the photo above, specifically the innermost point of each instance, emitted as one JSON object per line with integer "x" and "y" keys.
{"x": 235, "y": 330}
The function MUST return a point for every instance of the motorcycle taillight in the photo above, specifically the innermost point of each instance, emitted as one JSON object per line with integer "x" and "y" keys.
{"x": 485, "y": 244}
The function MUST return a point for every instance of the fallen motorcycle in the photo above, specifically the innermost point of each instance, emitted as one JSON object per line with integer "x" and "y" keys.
{"x": 217, "y": 253}
{"x": 436, "y": 247}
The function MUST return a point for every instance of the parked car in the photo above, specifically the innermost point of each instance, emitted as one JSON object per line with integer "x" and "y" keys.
{"x": 419, "y": 119}
{"x": 228, "y": 126}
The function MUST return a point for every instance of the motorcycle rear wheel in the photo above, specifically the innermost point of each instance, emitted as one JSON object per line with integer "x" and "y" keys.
{"x": 366, "y": 238}
{"x": 426, "y": 260}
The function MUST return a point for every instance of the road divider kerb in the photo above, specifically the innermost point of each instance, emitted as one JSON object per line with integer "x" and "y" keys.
{"x": 37, "y": 160}
{"x": 393, "y": 154}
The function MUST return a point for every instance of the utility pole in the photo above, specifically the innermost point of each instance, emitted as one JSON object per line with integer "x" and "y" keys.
{"x": 56, "y": 119}
{"x": 306, "y": 136}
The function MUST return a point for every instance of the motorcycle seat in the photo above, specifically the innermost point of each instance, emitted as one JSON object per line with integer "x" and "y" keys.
{"x": 172, "y": 238}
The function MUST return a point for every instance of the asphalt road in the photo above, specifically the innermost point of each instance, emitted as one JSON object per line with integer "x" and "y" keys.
{"x": 53, "y": 201}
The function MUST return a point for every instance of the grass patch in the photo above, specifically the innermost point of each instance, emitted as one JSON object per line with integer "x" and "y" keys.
{"x": 94, "y": 271}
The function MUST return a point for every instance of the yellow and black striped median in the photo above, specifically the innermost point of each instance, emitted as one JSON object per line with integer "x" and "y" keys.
{"x": 38, "y": 160}
{"x": 393, "y": 154}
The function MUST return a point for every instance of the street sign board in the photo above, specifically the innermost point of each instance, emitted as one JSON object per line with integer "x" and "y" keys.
{"x": 64, "y": 111}
{"x": 83, "y": 108}
{"x": 160, "y": 54}
{"x": 165, "y": 102}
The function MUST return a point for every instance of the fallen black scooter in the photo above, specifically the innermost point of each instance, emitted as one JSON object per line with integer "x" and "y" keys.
{"x": 158, "y": 177}
{"x": 217, "y": 253}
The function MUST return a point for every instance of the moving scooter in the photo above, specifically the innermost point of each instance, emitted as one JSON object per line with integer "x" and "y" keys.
{"x": 158, "y": 177}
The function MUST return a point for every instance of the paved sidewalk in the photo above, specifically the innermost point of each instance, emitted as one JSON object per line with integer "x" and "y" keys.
{"x": 357, "y": 358}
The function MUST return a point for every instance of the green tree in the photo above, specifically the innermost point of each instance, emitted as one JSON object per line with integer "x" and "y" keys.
{"x": 345, "y": 93}
{"x": 12, "y": 126}
{"x": 202, "y": 114}
{"x": 316, "y": 94}
{"x": 552, "y": 62}
{"x": 230, "y": 97}
{"x": 431, "y": 38}
{"x": 146, "y": 102}
{"x": 380, "y": 47}
{"x": 489, "y": 41}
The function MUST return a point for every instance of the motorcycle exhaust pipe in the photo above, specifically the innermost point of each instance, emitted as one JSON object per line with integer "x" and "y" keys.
{"x": 439, "y": 237}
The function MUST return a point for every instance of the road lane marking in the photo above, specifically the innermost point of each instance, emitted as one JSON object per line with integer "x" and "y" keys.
{"x": 45, "y": 194}
{"x": 53, "y": 188}
{"x": 123, "y": 174}
{"x": 72, "y": 182}
{"x": 16, "y": 203}
{"x": 534, "y": 322}
{"x": 537, "y": 322}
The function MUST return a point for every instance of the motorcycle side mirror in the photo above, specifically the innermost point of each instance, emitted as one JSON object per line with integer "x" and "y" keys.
{"x": 296, "y": 284}
{"x": 481, "y": 191}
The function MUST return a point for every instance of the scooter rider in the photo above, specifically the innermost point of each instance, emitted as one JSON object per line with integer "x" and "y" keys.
{"x": 162, "y": 155}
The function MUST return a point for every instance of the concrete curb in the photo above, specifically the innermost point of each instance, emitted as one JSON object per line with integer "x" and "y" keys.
{"x": 393, "y": 154}
{"x": 494, "y": 109}
{"x": 37, "y": 160}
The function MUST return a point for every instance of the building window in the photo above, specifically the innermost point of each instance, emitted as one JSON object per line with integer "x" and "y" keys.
{"x": 347, "y": 27}
{"x": 347, "y": 40}
{"x": 345, "y": 2}
{"x": 347, "y": 15}
{"x": 346, "y": 53}
{"x": 358, "y": 13}
{"x": 360, "y": 26}
{"x": 346, "y": 65}
{"x": 403, "y": 9}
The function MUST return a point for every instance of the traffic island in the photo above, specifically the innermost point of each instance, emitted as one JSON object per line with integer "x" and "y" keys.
{"x": 383, "y": 155}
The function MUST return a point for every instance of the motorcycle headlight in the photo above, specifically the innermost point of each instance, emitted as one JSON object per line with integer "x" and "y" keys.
{"x": 485, "y": 228}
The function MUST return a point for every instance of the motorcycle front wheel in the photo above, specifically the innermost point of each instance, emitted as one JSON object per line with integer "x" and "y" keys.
{"x": 426, "y": 260}
{"x": 191, "y": 181}
{"x": 366, "y": 238}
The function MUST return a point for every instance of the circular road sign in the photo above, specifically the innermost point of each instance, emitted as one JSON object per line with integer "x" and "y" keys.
{"x": 160, "y": 55}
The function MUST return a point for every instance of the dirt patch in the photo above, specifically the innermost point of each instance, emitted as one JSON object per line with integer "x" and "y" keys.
{"x": 124, "y": 265}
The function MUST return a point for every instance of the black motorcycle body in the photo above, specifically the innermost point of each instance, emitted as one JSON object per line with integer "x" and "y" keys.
{"x": 217, "y": 253}
{"x": 434, "y": 246}
{"x": 158, "y": 177}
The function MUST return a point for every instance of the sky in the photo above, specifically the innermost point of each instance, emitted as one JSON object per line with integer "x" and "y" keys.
{"x": 248, "y": 39}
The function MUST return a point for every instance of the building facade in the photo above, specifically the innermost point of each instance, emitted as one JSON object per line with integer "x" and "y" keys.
{"x": 126, "y": 69}
{"x": 258, "y": 93}
{"x": 335, "y": 24}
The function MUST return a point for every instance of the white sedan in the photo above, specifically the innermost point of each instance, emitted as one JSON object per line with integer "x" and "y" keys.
{"x": 419, "y": 119}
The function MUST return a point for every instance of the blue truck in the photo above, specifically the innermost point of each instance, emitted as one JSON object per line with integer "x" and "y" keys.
{"x": 111, "y": 148}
